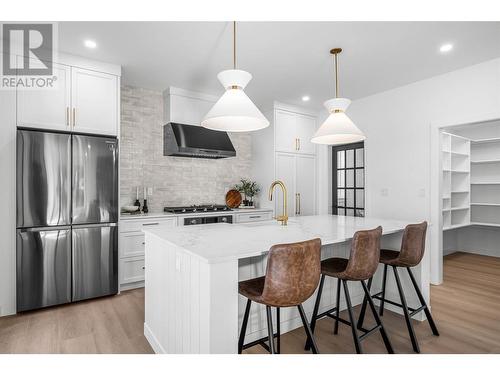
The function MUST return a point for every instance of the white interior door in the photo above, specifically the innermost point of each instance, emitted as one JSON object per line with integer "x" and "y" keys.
{"x": 285, "y": 131}
{"x": 305, "y": 185}
{"x": 306, "y": 127}
{"x": 46, "y": 108}
{"x": 94, "y": 102}
{"x": 285, "y": 171}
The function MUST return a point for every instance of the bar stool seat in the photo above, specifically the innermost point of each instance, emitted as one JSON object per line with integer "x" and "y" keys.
{"x": 391, "y": 258}
{"x": 334, "y": 267}
{"x": 292, "y": 275}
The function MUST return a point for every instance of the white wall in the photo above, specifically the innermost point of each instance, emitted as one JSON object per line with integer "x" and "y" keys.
{"x": 397, "y": 124}
{"x": 8, "y": 196}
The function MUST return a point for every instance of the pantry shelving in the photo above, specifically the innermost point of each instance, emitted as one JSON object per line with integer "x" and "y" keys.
{"x": 455, "y": 180}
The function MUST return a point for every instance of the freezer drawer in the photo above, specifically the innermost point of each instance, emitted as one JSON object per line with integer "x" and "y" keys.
{"x": 95, "y": 179}
{"x": 43, "y": 268}
{"x": 43, "y": 179}
{"x": 95, "y": 261}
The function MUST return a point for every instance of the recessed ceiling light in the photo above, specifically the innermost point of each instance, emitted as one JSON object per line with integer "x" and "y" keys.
{"x": 446, "y": 47}
{"x": 90, "y": 43}
{"x": 305, "y": 98}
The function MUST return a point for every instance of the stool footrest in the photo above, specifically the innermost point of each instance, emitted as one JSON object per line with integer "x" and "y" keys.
{"x": 366, "y": 332}
{"x": 377, "y": 296}
{"x": 261, "y": 342}
{"x": 416, "y": 311}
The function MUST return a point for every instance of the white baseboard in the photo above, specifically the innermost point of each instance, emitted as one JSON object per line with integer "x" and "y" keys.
{"x": 129, "y": 286}
{"x": 155, "y": 344}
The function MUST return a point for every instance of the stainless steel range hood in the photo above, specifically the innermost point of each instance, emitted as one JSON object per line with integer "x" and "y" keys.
{"x": 196, "y": 142}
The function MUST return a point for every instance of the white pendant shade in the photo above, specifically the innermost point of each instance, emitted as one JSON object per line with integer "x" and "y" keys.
{"x": 337, "y": 129}
{"x": 234, "y": 111}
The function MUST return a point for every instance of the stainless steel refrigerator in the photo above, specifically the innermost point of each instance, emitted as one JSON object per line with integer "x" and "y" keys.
{"x": 67, "y": 214}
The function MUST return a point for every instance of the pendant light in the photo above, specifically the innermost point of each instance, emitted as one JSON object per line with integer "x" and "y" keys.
{"x": 337, "y": 129}
{"x": 234, "y": 111}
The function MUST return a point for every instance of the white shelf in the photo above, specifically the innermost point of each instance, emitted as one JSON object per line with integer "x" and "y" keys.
{"x": 456, "y": 226}
{"x": 486, "y": 140}
{"x": 485, "y": 183}
{"x": 464, "y": 154}
{"x": 457, "y": 171}
{"x": 486, "y": 224}
{"x": 485, "y": 161}
{"x": 485, "y": 204}
{"x": 460, "y": 192}
{"x": 459, "y": 208}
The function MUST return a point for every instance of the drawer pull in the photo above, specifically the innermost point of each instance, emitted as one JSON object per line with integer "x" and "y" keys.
{"x": 255, "y": 217}
{"x": 148, "y": 224}
{"x": 144, "y": 243}
{"x": 143, "y": 267}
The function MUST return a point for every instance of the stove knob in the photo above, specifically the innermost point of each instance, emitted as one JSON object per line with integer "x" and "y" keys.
{"x": 194, "y": 209}
{"x": 193, "y": 221}
{"x": 224, "y": 219}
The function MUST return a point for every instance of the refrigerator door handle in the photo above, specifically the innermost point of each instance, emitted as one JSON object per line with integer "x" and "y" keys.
{"x": 99, "y": 225}
{"x": 43, "y": 229}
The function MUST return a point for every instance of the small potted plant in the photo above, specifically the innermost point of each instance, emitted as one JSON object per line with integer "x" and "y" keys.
{"x": 253, "y": 190}
{"x": 249, "y": 189}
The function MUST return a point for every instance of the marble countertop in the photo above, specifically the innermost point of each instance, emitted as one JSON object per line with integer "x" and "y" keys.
{"x": 156, "y": 215}
{"x": 222, "y": 242}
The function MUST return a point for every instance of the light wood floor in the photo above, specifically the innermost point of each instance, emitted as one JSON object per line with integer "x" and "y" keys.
{"x": 466, "y": 308}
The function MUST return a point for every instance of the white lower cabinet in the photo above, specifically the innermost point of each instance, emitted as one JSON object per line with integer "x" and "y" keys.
{"x": 132, "y": 271}
{"x": 254, "y": 216}
{"x": 131, "y": 246}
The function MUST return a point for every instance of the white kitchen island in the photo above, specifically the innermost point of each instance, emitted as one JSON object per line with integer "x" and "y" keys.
{"x": 192, "y": 272}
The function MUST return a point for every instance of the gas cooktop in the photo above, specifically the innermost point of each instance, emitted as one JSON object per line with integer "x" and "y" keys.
{"x": 197, "y": 208}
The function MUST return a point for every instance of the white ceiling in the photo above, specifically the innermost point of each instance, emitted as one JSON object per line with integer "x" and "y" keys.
{"x": 287, "y": 59}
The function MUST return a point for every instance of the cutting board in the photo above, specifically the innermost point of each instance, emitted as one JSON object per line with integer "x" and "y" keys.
{"x": 233, "y": 198}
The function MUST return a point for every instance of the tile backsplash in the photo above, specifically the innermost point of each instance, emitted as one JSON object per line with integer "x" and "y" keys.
{"x": 175, "y": 181}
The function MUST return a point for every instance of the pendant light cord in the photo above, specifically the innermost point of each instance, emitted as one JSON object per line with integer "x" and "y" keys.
{"x": 336, "y": 63}
{"x": 234, "y": 45}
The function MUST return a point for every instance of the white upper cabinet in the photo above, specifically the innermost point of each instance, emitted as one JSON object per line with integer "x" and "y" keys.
{"x": 94, "y": 102}
{"x": 305, "y": 128}
{"x": 293, "y": 132}
{"x": 47, "y": 108}
{"x": 285, "y": 131}
{"x": 82, "y": 100}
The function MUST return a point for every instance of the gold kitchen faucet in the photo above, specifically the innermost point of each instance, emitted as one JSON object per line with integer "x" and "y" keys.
{"x": 284, "y": 217}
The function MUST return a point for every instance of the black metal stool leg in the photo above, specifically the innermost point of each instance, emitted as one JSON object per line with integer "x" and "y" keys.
{"x": 270, "y": 329}
{"x": 244, "y": 327}
{"x": 411, "y": 332}
{"x": 384, "y": 281}
{"x": 278, "y": 338}
{"x": 387, "y": 342}
{"x": 355, "y": 336}
{"x": 362, "y": 313}
{"x": 315, "y": 310}
{"x": 427, "y": 312}
{"x": 337, "y": 311}
{"x": 310, "y": 337}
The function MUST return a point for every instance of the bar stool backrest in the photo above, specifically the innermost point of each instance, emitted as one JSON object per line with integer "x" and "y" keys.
{"x": 413, "y": 244}
{"x": 365, "y": 253}
{"x": 293, "y": 272}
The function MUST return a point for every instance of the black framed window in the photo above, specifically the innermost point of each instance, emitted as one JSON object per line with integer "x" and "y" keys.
{"x": 348, "y": 180}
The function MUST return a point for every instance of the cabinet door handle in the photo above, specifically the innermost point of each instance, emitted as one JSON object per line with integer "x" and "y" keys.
{"x": 296, "y": 144}
{"x": 298, "y": 194}
{"x": 254, "y": 217}
{"x": 298, "y": 141}
{"x": 296, "y": 204}
{"x": 146, "y": 224}
{"x": 74, "y": 117}
{"x": 67, "y": 116}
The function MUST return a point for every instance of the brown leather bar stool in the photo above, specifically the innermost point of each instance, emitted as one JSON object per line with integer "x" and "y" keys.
{"x": 292, "y": 276}
{"x": 361, "y": 265}
{"x": 410, "y": 255}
